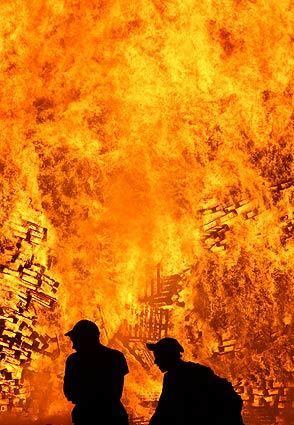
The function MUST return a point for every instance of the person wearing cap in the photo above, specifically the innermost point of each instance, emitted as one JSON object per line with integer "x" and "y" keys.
{"x": 94, "y": 378}
{"x": 191, "y": 394}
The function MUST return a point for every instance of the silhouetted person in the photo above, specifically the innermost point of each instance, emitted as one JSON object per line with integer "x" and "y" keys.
{"x": 94, "y": 378}
{"x": 192, "y": 394}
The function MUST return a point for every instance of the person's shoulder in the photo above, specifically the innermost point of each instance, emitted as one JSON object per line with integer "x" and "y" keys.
{"x": 112, "y": 352}
{"x": 199, "y": 369}
{"x": 117, "y": 358}
{"x": 72, "y": 358}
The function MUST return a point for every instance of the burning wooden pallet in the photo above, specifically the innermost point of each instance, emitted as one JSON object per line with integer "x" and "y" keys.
{"x": 218, "y": 219}
{"x": 26, "y": 289}
{"x": 30, "y": 282}
{"x": 227, "y": 345}
{"x": 151, "y": 319}
{"x": 151, "y": 324}
{"x": 148, "y": 324}
{"x": 287, "y": 184}
{"x": 139, "y": 421}
{"x": 267, "y": 399}
{"x": 164, "y": 290}
{"x": 140, "y": 352}
{"x": 259, "y": 416}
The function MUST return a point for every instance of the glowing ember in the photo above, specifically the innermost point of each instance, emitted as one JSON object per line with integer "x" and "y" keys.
{"x": 146, "y": 165}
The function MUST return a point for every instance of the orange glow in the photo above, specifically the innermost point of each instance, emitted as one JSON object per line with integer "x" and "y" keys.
{"x": 154, "y": 141}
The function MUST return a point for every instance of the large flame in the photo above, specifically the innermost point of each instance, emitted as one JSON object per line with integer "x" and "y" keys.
{"x": 154, "y": 137}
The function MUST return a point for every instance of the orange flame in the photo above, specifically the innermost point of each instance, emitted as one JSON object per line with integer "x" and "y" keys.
{"x": 155, "y": 133}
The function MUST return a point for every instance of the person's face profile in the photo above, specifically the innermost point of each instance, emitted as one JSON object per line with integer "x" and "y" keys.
{"x": 76, "y": 343}
{"x": 84, "y": 342}
{"x": 161, "y": 360}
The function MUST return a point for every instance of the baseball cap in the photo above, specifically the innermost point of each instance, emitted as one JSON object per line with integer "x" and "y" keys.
{"x": 84, "y": 327}
{"x": 165, "y": 344}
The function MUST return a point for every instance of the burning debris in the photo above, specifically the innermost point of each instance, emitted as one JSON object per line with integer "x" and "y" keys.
{"x": 282, "y": 186}
{"x": 216, "y": 220}
{"x": 150, "y": 324}
{"x": 153, "y": 132}
{"x": 266, "y": 401}
{"x": 26, "y": 289}
{"x": 140, "y": 421}
{"x": 151, "y": 318}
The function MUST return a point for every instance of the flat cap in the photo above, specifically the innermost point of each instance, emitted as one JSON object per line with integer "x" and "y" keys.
{"x": 83, "y": 327}
{"x": 166, "y": 344}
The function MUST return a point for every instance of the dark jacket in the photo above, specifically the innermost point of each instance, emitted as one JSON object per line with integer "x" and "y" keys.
{"x": 188, "y": 398}
{"x": 93, "y": 381}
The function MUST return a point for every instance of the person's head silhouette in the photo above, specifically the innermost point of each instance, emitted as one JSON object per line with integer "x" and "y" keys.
{"x": 167, "y": 353}
{"x": 84, "y": 335}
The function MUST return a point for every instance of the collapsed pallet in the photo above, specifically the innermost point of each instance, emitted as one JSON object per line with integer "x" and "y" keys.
{"x": 26, "y": 289}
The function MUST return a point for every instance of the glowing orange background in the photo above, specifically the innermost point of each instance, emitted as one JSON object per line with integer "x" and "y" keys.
{"x": 120, "y": 122}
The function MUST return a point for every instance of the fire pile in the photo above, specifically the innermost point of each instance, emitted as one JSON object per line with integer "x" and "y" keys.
{"x": 267, "y": 399}
{"x": 151, "y": 318}
{"x": 26, "y": 289}
{"x": 145, "y": 133}
{"x": 217, "y": 218}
